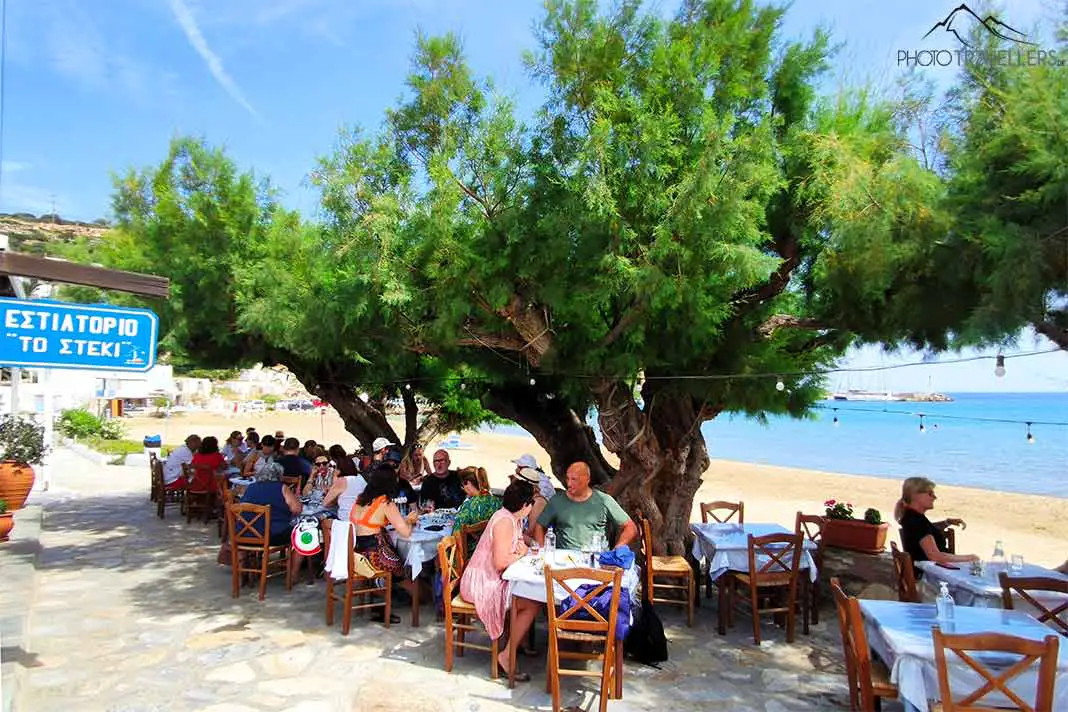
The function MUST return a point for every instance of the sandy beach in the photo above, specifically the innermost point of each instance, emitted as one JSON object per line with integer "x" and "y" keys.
{"x": 1034, "y": 526}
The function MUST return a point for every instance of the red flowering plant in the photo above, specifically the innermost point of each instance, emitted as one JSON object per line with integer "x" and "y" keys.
{"x": 838, "y": 510}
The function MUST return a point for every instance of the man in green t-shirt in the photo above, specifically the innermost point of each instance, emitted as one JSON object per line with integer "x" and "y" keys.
{"x": 581, "y": 512}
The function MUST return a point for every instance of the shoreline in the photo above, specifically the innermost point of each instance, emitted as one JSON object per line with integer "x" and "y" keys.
{"x": 1033, "y": 525}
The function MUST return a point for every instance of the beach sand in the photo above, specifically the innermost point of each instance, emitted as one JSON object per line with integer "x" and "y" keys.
{"x": 1031, "y": 525}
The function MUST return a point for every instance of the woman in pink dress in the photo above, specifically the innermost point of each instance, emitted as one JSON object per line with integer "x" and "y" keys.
{"x": 482, "y": 584}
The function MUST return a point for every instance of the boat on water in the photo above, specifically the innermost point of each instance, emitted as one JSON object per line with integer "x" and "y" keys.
{"x": 886, "y": 396}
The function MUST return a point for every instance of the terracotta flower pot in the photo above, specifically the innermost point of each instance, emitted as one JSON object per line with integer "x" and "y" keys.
{"x": 7, "y": 523}
{"x": 855, "y": 535}
{"x": 16, "y": 481}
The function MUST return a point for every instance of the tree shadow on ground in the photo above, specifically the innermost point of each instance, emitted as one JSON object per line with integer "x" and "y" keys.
{"x": 167, "y": 572}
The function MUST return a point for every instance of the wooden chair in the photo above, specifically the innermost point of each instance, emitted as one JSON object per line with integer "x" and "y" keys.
{"x": 460, "y": 615}
{"x": 164, "y": 496}
{"x": 774, "y": 562}
{"x": 665, "y": 567}
{"x": 251, "y": 551}
{"x": 714, "y": 509}
{"x": 363, "y": 589}
{"x": 810, "y": 527}
{"x": 907, "y": 592}
{"x": 225, "y": 497}
{"x": 200, "y": 493}
{"x": 1030, "y": 651}
{"x": 153, "y": 491}
{"x": 469, "y": 536}
{"x": 1023, "y": 586}
{"x": 869, "y": 680}
{"x": 584, "y": 624}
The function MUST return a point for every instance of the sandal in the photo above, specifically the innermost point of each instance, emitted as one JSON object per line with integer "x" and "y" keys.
{"x": 522, "y": 677}
{"x": 394, "y": 619}
{"x": 528, "y": 652}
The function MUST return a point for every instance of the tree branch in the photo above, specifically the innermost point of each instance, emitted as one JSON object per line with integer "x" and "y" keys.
{"x": 1054, "y": 332}
{"x": 789, "y": 321}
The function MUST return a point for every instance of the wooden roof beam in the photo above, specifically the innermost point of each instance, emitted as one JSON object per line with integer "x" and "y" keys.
{"x": 56, "y": 270}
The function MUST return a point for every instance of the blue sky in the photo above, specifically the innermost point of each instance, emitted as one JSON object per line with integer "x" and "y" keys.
{"x": 95, "y": 87}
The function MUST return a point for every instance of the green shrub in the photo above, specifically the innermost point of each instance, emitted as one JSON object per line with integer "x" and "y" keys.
{"x": 112, "y": 429}
{"x": 873, "y": 516}
{"x": 22, "y": 440}
{"x": 79, "y": 423}
{"x": 3, "y": 506}
{"x": 115, "y": 447}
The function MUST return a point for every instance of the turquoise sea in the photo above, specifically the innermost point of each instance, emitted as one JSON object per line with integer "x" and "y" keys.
{"x": 961, "y": 444}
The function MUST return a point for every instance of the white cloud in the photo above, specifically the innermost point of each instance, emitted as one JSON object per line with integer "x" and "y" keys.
{"x": 189, "y": 26}
{"x": 8, "y": 167}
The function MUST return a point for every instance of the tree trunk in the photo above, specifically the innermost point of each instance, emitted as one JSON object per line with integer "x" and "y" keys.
{"x": 662, "y": 456}
{"x": 361, "y": 419}
{"x": 557, "y": 428}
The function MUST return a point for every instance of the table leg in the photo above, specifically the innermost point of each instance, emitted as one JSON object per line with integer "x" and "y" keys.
{"x": 511, "y": 648}
{"x": 412, "y": 587}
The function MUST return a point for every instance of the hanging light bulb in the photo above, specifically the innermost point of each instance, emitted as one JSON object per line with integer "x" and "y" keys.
{"x": 407, "y": 386}
{"x": 463, "y": 386}
{"x": 533, "y": 382}
{"x": 999, "y": 367}
{"x": 923, "y": 428}
{"x": 1030, "y": 437}
{"x": 835, "y": 421}
{"x": 780, "y": 386}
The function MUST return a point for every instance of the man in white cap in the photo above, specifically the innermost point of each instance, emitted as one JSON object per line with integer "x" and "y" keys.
{"x": 378, "y": 448}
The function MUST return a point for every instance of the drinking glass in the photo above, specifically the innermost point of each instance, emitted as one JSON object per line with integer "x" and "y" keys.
{"x": 1017, "y": 563}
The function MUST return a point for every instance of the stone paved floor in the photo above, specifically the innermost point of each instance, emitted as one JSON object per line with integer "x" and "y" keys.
{"x": 128, "y": 612}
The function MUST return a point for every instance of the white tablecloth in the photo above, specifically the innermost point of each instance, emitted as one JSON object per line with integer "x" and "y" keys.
{"x": 527, "y": 576}
{"x": 900, "y": 633}
{"x": 422, "y": 545}
{"x": 726, "y": 547}
{"x": 983, "y": 591}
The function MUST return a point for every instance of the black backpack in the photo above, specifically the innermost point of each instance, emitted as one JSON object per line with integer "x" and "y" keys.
{"x": 646, "y": 641}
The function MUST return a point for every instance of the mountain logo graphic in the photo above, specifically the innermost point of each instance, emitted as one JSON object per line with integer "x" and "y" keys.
{"x": 960, "y": 21}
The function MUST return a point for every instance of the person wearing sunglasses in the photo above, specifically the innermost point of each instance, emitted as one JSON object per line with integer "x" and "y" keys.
{"x": 322, "y": 476}
{"x": 443, "y": 487}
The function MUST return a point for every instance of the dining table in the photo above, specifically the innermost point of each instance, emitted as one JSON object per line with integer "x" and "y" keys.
{"x": 983, "y": 590}
{"x": 725, "y": 546}
{"x": 526, "y": 579}
{"x": 421, "y": 546}
{"x": 900, "y": 634}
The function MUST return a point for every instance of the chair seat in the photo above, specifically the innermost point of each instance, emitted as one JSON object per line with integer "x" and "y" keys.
{"x": 880, "y": 681}
{"x": 459, "y": 605}
{"x": 581, "y": 637}
{"x": 671, "y": 565}
{"x": 776, "y": 579}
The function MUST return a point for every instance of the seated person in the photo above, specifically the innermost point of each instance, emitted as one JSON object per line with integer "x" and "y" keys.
{"x": 344, "y": 491}
{"x": 374, "y": 508}
{"x": 322, "y": 477}
{"x": 442, "y": 486}
{"x": 480, "y": 504}
{"x": 235, "y": 449}
{"x": 207, "y": 460}
{"x": 483, "y": 584}
{"x": 293, "y": 465}
{"x": 173, "y": 465}
{"x": 534, "y": 478}
{"x": 346, "y": 466}
{"x": 414, "y": 467}
{"x": 923, "y": 540}
{"x": 257, "y": 459}
{"x": 582, "y": 512}
{"x": 268, "y": 490}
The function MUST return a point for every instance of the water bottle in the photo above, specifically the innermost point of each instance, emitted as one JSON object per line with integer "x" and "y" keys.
{"x": 944, "y": 603}
{"x": 997, "y": 559}
{"x": 402, "y": 504}
{"x": 550, "y": 546}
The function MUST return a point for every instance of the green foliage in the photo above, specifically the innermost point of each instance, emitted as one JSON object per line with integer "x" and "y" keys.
{"x": 873, "y": 516}
{"x": 270, "y": 399}
{"x": 78, "y": 423}
{"x": 22, "y": 440}
{"x": 3, "y": 506}
{"x": 214, "y": 374}
{"x": 112, "y": 429}
{"x": 110, "y": 446}
{"x": 834, "y": 509}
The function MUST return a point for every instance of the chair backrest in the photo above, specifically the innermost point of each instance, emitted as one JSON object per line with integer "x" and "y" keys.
{"x": 998, "y": 679}
{"x": 841, "y": 607}
{"x": 243, "y": 522}
{"x": 203, "y": 478}
{"x": 774, "y": 555}
{"x": 451, "y": 564}
{"x": 646, "y": 553}
{"x": 810, "y": 527}
{"x": 582, "y": 616}
{"x": 469, "y": 536}
{"x": 906, "y": 575}
{"x": 951, "y": 539}
{"x": 157, "y": 471}
{"x": 726, "y": 510}
{"x": 1023, "y": 586}
{"x": 855, "y": 647}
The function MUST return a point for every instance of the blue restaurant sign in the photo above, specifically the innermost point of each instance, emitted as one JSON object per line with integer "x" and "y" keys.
{"x": 46, "y": 334}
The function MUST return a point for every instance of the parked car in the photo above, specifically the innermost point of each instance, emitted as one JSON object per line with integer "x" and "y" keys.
{"x": 256, "y": 406}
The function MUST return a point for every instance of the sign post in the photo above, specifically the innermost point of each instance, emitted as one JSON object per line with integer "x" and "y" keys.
{"x": 46, "y": 334}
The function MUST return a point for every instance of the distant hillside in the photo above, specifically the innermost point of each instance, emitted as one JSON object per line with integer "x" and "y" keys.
{"x": 38, "y": 234}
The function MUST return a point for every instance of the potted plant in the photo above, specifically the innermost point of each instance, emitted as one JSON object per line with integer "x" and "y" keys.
{"x": 22, "y": 445}
{"x": 842, "y": 531}
{"x": 7, "y": 521}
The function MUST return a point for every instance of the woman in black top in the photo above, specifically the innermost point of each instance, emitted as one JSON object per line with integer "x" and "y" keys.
{"x": 922, "y": 539}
